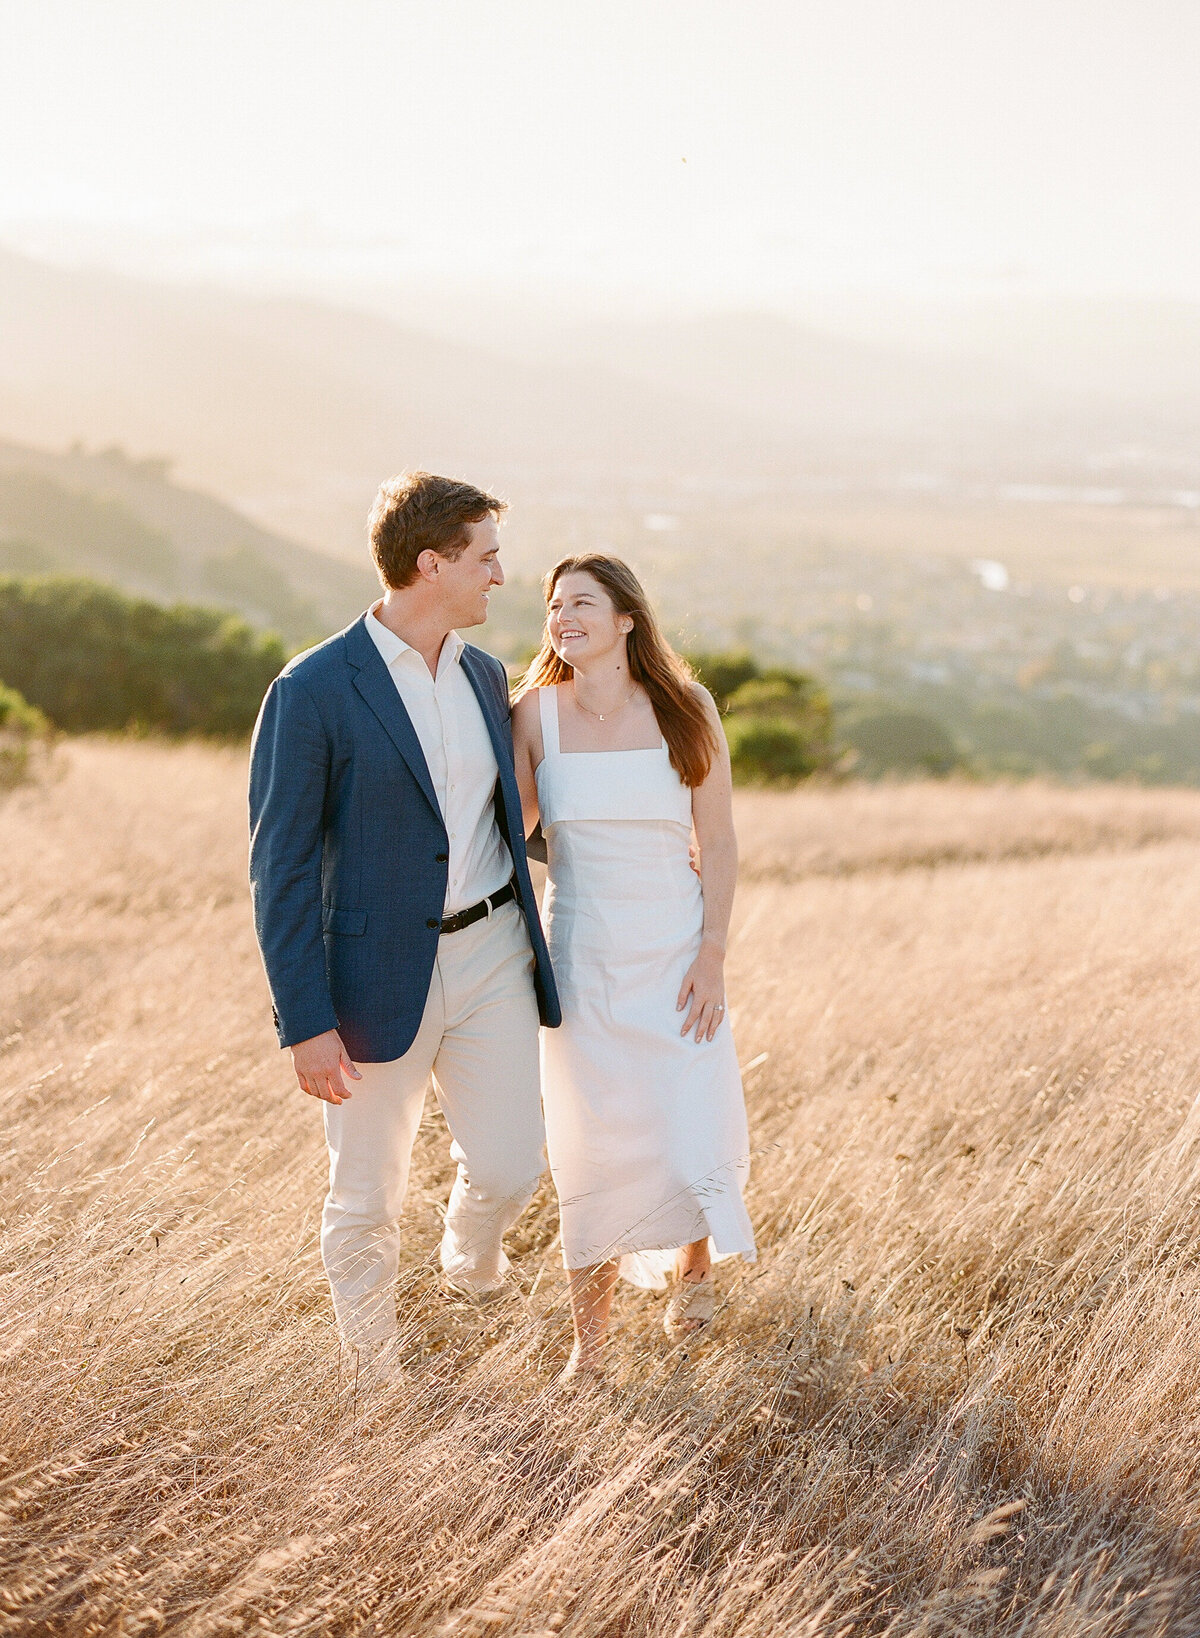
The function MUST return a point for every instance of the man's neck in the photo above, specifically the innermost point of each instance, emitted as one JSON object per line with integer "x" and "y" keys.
{"x": 424, "y": 629}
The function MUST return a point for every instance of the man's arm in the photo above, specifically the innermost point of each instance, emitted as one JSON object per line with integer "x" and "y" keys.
{"x": 289, "y": 773}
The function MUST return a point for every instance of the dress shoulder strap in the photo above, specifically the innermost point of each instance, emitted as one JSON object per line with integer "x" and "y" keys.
{"x": 548, "y": 705}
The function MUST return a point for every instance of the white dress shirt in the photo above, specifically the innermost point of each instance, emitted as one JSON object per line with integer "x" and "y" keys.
{"x": 462, "y": 764}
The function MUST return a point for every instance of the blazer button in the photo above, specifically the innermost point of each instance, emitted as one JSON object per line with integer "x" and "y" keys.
{"x": 441, "y": 858}
{"x": 433, "y": 922}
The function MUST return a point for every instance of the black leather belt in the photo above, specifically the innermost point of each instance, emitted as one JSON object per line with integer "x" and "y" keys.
{"x": 464, "y": 918}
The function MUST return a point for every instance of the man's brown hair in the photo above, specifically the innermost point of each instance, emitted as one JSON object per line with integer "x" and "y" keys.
{"x": 419, "y": 512}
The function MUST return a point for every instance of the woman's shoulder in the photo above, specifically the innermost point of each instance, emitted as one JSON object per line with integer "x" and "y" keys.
{"x": 526, "y": 704}
{"x": 702, "y": 694}
{"x": 526, "y": 714}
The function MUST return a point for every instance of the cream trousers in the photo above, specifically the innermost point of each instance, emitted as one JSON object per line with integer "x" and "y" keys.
{"x": 479, "y": 1038}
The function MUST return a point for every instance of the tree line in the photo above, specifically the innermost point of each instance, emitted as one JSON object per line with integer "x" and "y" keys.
{"x": 83, "y": 657}
{"x": 90, "y": 657}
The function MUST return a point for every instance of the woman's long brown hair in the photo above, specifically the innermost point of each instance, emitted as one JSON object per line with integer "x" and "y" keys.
{"x": 652, "y": 662}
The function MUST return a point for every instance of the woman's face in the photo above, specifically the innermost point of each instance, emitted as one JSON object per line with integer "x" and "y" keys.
{"x": 582, "y": 622}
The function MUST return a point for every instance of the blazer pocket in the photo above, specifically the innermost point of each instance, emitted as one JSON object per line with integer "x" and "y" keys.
{"x": 343, "y": 921}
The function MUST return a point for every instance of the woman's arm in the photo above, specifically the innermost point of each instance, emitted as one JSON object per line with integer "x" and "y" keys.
{"x": 527, "y": 751}
{"x": 712, "y": 817}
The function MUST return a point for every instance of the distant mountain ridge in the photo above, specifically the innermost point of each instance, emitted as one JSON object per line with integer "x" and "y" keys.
{"x": 294, "y": 409}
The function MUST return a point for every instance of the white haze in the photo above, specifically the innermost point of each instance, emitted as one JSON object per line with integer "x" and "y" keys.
{"x": 610, "y": 157}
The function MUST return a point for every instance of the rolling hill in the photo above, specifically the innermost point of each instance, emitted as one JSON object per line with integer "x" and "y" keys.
{"x": 295, "y": 410}
{"x": 125, "y": 521}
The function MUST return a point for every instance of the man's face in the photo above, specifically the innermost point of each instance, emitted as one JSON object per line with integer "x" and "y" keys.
{"x": 466, "y": 580}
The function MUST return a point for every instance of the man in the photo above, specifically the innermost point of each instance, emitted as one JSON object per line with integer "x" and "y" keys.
{"x": 393, "y": 904}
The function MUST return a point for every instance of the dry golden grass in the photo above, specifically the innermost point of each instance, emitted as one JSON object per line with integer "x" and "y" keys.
{"x": 960, "y": 1393}
{"x": 842, "y": 830}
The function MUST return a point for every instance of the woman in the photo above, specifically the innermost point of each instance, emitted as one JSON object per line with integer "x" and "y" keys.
{"x": 620, "y": 755}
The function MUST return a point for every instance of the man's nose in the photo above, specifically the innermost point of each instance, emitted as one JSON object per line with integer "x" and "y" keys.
{"x": 497, "y": 575}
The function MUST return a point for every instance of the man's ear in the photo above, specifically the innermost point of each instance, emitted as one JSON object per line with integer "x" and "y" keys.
{"x": 428, "y": 564}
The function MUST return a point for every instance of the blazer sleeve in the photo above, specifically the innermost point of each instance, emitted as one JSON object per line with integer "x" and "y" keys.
{"x": 289, "y": 775}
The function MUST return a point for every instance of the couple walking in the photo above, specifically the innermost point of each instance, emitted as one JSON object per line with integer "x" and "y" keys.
{"x": 391, "y": 794}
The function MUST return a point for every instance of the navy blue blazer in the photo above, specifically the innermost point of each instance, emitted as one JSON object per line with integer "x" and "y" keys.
{"x": 348, "y": 851}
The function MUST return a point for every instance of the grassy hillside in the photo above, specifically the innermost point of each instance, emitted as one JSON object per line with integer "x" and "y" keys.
{"x": 957, "y": 1395}
{"x": 126, "y": 521}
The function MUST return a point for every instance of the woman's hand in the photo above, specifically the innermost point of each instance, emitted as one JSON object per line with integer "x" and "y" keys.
{"x": 704, "y": 988}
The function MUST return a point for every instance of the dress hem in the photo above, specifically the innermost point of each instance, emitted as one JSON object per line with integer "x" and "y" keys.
{"x": 748, "y": 1254}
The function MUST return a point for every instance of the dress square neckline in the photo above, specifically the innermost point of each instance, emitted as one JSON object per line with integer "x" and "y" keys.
{"x": 635, "y": 750}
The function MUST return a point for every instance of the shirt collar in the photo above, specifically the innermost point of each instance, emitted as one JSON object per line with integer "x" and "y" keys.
{"x": 392, "y": 646}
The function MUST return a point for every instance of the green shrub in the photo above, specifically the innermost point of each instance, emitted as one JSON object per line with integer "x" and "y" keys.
{"x": 724, "y": 674}
{"x": 901, "y": 742}
{"x": 24, "y": 732}
{"x": 778, "y": 722}
{"x": 769, "y": 750}
{"x": 92, "y": 658}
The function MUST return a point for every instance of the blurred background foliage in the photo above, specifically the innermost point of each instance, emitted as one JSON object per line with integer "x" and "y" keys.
{"x": 779, "y": 722}
{"x": 89, "y": 657}
{"x": 25, "y": 737}
{"x": 135, "y": 602}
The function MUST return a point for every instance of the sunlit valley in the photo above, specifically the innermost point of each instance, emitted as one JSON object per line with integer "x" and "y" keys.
{"x": 988, "y": 516}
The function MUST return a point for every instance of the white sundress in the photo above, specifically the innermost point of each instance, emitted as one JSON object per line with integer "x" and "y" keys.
{"x": 646, "y": 1129}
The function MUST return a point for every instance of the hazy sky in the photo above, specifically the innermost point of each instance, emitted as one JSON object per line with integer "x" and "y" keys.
{"x": 716, "y": 149}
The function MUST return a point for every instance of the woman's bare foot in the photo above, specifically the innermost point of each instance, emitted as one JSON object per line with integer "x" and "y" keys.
{"x": 691, "y": 1308}
{"x": 691, "y": 1304}
{"x": 591, "y": 1299}
{"x": 583, "y": 1367}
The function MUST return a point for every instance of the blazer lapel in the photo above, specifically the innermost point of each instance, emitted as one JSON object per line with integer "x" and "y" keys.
{"x": 374, "y": 683}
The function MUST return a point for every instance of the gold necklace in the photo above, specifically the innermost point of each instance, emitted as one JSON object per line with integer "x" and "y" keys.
{"x": 601, "y": 715}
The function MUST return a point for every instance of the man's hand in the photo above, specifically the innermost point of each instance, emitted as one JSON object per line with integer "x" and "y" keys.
{"x": 319, "y": 1064}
